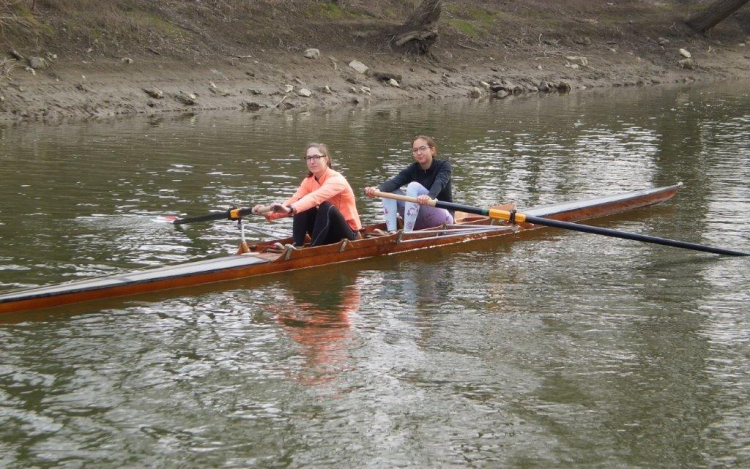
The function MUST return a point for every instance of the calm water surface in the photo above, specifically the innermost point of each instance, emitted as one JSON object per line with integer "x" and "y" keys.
{"x": 554, "y": 349}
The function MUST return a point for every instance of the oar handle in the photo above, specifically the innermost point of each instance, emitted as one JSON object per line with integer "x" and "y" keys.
{"x": 495, "y": 213}
{"x": 403, "y": 198}
{"x": 262, "y": 210}
{"x": 266, "y": 209}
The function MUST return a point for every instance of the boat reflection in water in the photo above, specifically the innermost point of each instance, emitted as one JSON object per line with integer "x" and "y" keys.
{"x": 315, "y": 314}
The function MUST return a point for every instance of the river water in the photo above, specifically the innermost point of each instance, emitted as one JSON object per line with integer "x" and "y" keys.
{"x": 553, "y": 349}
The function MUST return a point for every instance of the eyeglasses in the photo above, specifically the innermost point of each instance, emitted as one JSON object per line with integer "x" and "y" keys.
{"x": 313, "y": 157}
{"x": 423, "y": 148}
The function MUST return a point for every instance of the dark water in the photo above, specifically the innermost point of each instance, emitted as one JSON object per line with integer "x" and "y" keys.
{"x": 556, "y": 349}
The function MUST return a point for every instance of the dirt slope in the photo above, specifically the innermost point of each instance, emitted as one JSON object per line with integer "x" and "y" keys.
{"x": 124, "y": 57}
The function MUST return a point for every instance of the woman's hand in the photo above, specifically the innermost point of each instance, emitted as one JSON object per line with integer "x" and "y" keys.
{"x": 370, "y": 191}
{"x": 281, "y": 208}
{"x": 424, "y": 199}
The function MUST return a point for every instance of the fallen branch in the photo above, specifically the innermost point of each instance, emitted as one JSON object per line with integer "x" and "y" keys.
{"x": 468, "y": 47}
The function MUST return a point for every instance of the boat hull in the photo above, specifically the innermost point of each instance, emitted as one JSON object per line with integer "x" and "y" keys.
{"x": 262, "y": 259}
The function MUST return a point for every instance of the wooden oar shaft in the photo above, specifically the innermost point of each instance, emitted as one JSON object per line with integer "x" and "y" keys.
{"x": 520, "y": 218}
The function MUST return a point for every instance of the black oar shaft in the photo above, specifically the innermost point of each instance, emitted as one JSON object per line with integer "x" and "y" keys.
{"x": 231, "y": 214}
{"x": 520, "y": 218}
{"x": 628, "y": 235}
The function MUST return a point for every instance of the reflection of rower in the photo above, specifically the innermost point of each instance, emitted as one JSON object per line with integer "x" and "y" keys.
{"x": 318, "y": 320}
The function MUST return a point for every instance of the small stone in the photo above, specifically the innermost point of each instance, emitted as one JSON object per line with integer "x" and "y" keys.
{"x": 485, "y": 85}
{"x": 304, "y": 92}
{"x": 687, "y": 64}
{"x": 578, "y": 60}
{"x": 186, "y": 98}
{"x": 216, "y": 90}
{"x": 500, "y": 94}
{"x": 393, "y": 83}
{"x": 37, "y": 63}
{"x": 312, "y": 53}
{"x": 685, "y": 53}
{"x": 359, "y": 66}
{"x": 288, "y": 89}
{"x": 251, "y": 106}
{"x": 127, "y": 60}
{"x": 475, "y": 92}
{"x": 154, "y": 92}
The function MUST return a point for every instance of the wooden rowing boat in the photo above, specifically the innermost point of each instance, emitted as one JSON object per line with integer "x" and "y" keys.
{"x": 264, "y": 258}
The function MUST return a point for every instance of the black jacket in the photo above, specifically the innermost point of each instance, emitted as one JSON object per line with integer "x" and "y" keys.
{"x": 437, "y": 178}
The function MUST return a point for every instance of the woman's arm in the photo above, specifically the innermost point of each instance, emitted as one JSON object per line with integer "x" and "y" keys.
{"x": 442, "y": 178}
{"x": 401, "y": 179}
{"x": 330, "y": 188}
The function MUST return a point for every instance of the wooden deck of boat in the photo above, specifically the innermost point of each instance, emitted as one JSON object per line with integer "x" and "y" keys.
{"x": 263, "y": 259}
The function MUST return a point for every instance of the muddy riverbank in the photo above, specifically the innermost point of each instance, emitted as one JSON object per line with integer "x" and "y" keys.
{"x": 291, "y": 59}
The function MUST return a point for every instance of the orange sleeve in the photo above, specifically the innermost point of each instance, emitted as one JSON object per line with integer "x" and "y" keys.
{"x": 331, "y": 187}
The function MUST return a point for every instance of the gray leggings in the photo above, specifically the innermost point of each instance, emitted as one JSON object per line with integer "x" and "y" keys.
{"x": 415, "y": 216}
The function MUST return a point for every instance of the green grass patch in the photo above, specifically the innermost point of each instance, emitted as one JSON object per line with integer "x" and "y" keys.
{"x": 471, "y": 21}
{"x": 148, "y": 20}
{"x": 327, "y": 11}
{"x": 466, "y": 27}
{"x": 480, "y": 14}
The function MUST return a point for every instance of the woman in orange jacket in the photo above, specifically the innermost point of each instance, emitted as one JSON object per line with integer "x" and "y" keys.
{"x": 323, "y": 206}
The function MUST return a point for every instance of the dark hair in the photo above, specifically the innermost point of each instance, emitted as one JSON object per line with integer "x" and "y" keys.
{"x": 430, "y": 142}
{"x": 322, "y": 148}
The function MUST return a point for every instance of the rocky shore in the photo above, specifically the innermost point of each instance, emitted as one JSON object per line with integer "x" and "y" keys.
{"x": 46, "y": 84}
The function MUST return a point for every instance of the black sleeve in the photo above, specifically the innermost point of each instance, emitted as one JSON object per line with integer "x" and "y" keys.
{"x": 442, "y": 178}
{"x": 401, "y": 179}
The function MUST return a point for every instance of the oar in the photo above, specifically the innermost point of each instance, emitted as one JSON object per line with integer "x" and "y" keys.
{"x": 521, "y": 218}
{"x": 231, "y": 214}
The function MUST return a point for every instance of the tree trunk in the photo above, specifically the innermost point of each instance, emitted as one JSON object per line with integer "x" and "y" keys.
{"x": 419, "y": 32}
{"x": 714, "y": 14}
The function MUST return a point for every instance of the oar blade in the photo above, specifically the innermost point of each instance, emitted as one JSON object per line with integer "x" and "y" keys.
{"x": 167, "y": 218}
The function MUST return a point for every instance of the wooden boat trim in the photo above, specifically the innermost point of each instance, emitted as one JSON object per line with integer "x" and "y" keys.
{"x": 262, "y": 260}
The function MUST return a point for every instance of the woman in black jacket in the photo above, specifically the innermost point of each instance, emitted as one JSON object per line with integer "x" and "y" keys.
{"x": 426, "y": 179}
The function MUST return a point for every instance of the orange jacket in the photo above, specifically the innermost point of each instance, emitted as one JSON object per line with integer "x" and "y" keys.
{"x": 332, "y": 187}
